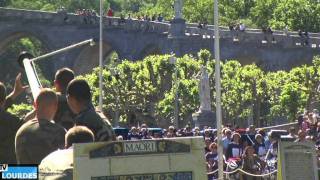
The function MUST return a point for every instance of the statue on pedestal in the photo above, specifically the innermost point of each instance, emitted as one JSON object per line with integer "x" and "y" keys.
{"x": 204, "y": 91}
{"x": 205, "y": 116}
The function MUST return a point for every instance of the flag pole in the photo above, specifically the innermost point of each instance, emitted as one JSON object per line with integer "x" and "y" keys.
{"x": 101, "y": 57}
{"x": 218, "y": 89}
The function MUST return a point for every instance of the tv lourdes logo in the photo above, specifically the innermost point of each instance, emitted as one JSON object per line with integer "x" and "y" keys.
{"x": 18, "y": 171}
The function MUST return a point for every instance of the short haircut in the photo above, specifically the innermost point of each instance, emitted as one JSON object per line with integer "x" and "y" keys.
{"x": 235, "y": 134}
{"x": 80, "y": 90}
{"x": 78, "y": 134}
{"x": 63, "y": 77}
{"x": 3, "y": 92}
{"x": 258, "y": 136}
{"x": 213, "y": 145}
{"x": 46, "y": 96}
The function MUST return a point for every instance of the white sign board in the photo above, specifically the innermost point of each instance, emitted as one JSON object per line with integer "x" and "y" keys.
{"x": 163, "y": 159}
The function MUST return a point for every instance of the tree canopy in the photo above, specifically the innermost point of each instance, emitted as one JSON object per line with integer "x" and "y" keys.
{"x": 145, "y": 91}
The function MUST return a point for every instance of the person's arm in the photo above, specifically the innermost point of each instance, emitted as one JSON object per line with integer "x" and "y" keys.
{"x": 17, "y": 90}
{"x": 262, "y": 163}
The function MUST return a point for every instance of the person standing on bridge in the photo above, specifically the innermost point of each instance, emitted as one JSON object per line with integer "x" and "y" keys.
{"x": 110, "y": 13}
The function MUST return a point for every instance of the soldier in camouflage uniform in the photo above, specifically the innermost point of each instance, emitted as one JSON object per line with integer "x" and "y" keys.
{"x": 40, "y": 136}
{"x": 64, "y": 116}
{"x": 79, "y": 100}
{"x": 9, "y": 124}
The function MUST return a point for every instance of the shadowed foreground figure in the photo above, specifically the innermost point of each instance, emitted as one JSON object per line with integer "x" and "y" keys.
{"x": 40, "y": 136}
{"x": 79, "y": 100}
{"x": 9, "y": 124}
{"x": 59, "y": 164}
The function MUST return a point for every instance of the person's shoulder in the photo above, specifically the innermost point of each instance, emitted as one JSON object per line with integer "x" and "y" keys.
{"x": 28, "y": 127}
{"x": 95, "y": 115}
{"x": 57, "y": 127}
{"x": 30, "y": 124}
{"x": 6, "y": 116}
{"x": 209, "y": 154}
{"x": 58, "y": 164}
{"x": 51, "y": 127}
{"x": 55, "y": 157}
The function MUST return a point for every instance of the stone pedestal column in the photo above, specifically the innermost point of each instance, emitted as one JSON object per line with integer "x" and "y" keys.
{"x": 177, "y": 28}
{"x": 178, "y": 24}
{"x": 204, "y": 118}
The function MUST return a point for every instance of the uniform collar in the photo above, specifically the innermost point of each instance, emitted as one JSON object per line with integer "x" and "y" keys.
{"x": 88, "y": 108}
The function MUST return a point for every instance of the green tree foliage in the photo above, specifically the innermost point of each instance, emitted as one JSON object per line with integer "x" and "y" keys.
{"x": 262, "y": 12}
{"x": 297, "y": 14}
{"x": 145, "y": 91}
{"x": 20, "y": 110}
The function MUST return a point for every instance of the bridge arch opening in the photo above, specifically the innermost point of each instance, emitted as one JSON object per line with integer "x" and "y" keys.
{"x": 88, "y": 58}
{"x": 151, "y": 49}
{"x": 10, "y": 48}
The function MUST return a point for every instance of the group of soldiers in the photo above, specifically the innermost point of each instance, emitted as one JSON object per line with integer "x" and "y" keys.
{"x": 60, "y": 118}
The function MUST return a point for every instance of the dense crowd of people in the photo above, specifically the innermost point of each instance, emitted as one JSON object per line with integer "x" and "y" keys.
{"x": 91, "y": 17}
{"x": 252, "y": 150}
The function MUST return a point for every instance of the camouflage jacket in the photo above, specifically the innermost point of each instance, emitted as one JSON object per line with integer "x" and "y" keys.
{"x": 97, "y": 123}
{"x": 64, "y": 116}
{"x": 36, "y": 139}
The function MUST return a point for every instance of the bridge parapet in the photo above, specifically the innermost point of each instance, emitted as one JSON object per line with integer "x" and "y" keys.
{"x": 62, "y": 17}
{"x": 253, "y": 30}
{"x": 289, "y": 40}
{"x": 136, "y": 25}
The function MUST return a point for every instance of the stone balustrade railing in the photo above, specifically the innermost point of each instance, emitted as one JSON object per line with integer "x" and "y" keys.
{"x": 62, "y": 17}
{"x": 70, "y": 18}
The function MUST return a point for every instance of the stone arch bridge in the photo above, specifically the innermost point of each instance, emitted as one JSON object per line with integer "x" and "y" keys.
{"x": 134, "y": 39}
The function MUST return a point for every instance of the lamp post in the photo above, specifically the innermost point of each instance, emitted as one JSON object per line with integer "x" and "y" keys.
{"x": 173, "y": 60}
{"x": 101, "y": 58}
{"x": 114, "y": 72}
{"x": 218, "y": 89}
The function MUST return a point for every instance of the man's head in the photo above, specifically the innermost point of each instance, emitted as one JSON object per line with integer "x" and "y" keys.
{"x": 78, "y": 134}
{"x": 171, "y": 129}
{"x": 3, "y": 94}
{"x": 258, "y": 138}
{"x": 251, "y": 129}
{"x": 78, "y": 95}
{"x": 302, "y": 135}
{"x": 228, "y": 133}
{"x": 236, "y": 137}
{"x": 62, "y": 79}
{"x": 292, "y": 130}
{"x": 46, "y": 104}
{"x": 134, "y": 130}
